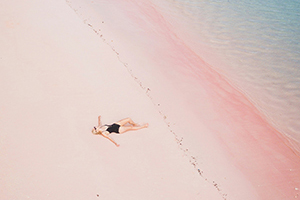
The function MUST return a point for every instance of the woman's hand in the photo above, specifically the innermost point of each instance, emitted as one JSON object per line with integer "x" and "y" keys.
{"x": 117, "y": 145}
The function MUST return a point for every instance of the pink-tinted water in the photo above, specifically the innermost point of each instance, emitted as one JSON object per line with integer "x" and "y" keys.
{"x": 260, "y": 151}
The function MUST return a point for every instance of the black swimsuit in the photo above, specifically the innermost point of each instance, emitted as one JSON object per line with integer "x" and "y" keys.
{"x": 113, "y": 128}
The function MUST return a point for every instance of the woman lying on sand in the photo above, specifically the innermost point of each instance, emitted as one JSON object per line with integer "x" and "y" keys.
{"x": 118, "y": 127}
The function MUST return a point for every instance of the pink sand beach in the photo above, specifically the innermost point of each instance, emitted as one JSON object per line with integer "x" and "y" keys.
{"x": 63, "y": 63}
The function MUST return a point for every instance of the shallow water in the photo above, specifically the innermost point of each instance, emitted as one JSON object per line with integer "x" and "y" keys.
{"x": 258, "y": 44}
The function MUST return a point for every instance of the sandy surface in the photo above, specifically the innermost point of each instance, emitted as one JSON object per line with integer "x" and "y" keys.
{"x": 60, "y": 70}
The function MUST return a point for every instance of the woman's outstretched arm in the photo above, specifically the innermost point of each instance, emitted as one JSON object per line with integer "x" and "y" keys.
{"x": 99, "y": 120}
{"x": 106, "y": 136}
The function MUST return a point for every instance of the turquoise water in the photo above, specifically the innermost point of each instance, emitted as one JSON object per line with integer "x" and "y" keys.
{"x": 258, "y": 43}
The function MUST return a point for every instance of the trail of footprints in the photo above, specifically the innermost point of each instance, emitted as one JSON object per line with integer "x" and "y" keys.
{"x": 179, "y": 140}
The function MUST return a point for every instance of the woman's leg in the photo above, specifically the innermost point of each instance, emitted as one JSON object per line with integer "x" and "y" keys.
{"x": 124, "y": 129}
{"x": 125, "y": 121}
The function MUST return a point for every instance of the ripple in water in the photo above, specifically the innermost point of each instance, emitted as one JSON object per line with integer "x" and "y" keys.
{"x": 259, "y": 42}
